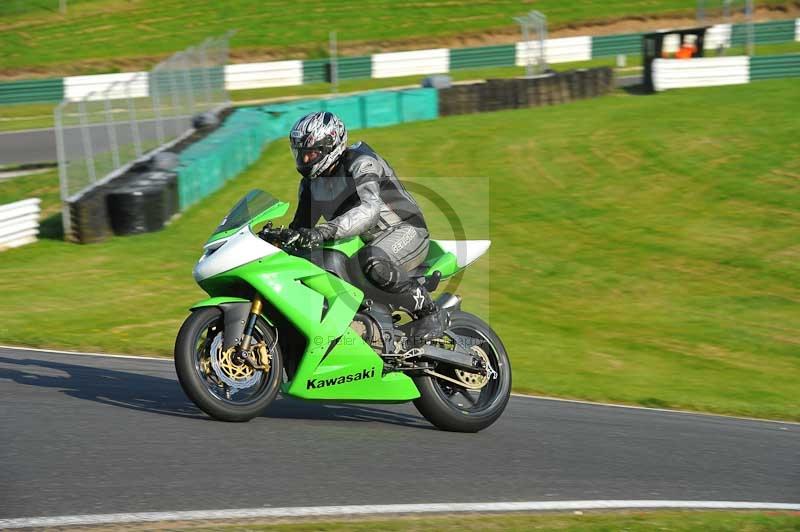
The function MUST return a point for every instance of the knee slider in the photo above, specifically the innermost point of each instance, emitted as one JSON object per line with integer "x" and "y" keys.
{"x": 379, "y": 269}
{"x": 381, "y": 272}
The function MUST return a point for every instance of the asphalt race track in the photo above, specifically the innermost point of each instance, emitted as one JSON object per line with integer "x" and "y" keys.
{"x": 31, "y": 146}
{"x": 39, "y": 145}
{"x": 97, "y": 435}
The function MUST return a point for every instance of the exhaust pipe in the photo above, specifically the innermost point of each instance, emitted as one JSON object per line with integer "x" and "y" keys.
{"x": 448, "y": 301}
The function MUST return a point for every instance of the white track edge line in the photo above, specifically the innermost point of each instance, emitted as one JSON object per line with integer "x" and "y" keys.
{"x": 654, "y": 409}
{"x": 57, "y": 352}
{"x": 529, "y": 396}
{"x": 385, "y": 509}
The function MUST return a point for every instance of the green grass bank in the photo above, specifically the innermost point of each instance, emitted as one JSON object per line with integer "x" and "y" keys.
{"x": 108, "y": 35}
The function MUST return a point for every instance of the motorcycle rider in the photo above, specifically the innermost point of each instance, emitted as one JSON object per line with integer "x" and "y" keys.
{"x": 357, "y": 193}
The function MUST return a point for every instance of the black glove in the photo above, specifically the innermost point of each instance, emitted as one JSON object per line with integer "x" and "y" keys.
{"x": 309, "y": 238}
{"x": 289, "y": 237}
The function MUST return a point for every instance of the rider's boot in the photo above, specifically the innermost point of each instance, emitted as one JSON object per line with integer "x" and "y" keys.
{"x": 430, "y": 322}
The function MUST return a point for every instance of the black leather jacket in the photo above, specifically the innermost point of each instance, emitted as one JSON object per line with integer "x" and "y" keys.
{"x": 362, "y": 197}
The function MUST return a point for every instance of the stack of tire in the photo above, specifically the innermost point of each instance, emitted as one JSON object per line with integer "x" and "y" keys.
{"x": 460, "y": 100}
{"x": 549, "y": 89}
{"x": 144, "y": 201}
{"x": 496, "y": 94}
{"x": 89, "y": 217}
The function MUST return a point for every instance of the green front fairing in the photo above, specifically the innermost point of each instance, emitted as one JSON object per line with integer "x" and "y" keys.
{"x": 217, "y": 301}
{"x": 297, "y": 288}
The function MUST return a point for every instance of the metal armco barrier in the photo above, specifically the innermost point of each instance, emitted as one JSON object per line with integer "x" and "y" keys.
{"x": 483, "y": 56}
{"x": 416, "y": 62}
{"x": 765, "y": 32}
{"x": 700, "y": 72}
{"x": 714, "y": 71}
{"x": 611, "y": 45}
{"x": 32, "y": 91}
{"x": 775, "y": 67}
{"x": 19, "y": 223}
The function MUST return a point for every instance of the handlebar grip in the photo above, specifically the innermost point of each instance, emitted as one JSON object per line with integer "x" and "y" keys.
{"x": 284, "y": 237}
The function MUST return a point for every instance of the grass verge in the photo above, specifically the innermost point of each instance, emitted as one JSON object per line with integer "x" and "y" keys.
{"x": 629, "y": 521}
{"x": 645, "y": 249}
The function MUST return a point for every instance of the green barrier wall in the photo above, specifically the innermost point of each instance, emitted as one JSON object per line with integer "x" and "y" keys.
{"x": 318, "y": 70}
{"x": 354, "y": 67}
{"x": 315, "y": 71}
{"x": 39, "y": 90}
{"x": 764, "y": 32}
{"x": 611, "y": 45}
{"x": 421, "y": 104}
{"x": 207, "y": 164}
{"x": 774, "y": 66}
{"x": 503, "y": 55}
{"x": 349, "y": 109}
{"x": 381, "y": 109}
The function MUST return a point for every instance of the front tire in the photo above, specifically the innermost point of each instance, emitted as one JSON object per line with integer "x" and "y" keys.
{"x": 199, "y": 379}
{"x": 453, "y": 408}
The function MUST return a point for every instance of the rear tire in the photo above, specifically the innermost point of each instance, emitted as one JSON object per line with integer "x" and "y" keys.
{"x": 197, "y": 386}
{"x": 438, "y": 398}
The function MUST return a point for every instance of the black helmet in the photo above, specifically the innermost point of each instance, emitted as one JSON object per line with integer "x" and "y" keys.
{"x": 317, "y": 141}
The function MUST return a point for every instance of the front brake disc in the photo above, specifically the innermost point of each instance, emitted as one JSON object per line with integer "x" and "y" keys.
{"x": 237, "y": 375}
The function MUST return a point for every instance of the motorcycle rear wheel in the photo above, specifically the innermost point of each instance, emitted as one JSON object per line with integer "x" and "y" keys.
{"x": 455, "y": 408}
{"x": 197, "y": 378}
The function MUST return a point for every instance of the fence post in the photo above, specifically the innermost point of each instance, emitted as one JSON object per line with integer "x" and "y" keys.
{"x": 523, "y": 22}
{"x": 187, "y": 78}
{"x": 63, "y": 179}
{"x": 204, "y": 69}
{"x": 137, "y": 140}
{"x": 175, "y": 100}
{"x": 333, "y": 63}
{"x": 87, "y": 141}
{"x": 110, "y": 127}
{"x": 750, "y": 30}
{"x": 156, "y": 98}
{"x": 62, "y": 159}
{"x": 226, "y": 39}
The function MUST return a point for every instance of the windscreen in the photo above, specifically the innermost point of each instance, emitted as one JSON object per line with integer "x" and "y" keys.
{"x": 250, "y": 206}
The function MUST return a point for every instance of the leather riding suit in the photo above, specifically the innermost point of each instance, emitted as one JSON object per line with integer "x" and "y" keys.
{"x": 364, "y": 197}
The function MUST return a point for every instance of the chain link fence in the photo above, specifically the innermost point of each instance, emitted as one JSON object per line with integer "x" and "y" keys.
{"x": 721, "y": 14}
{"x": 102, "y": 134}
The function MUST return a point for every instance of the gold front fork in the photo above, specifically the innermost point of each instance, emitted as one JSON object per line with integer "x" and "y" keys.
{"x": 255, "y": 312}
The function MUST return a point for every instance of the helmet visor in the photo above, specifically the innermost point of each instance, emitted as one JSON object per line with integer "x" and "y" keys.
{"x": 307, "y": 156}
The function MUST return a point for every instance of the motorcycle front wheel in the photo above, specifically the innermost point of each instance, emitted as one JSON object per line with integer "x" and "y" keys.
{"x": 455, "y": 407}
{"x": 223, "y": 387}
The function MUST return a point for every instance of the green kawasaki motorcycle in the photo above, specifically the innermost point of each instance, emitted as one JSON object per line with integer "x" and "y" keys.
{"x": 297, "y": 321}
